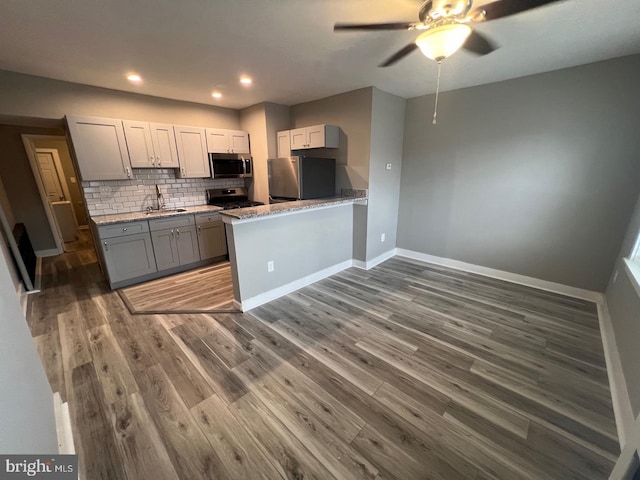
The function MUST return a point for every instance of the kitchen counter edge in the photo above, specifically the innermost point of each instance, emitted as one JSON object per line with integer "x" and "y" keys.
{"x": 137, "y": 216}
{"x": 287, "y": 207}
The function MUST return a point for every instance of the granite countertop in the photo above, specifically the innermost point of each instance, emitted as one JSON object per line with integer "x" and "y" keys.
{"x": 136, "y": 216}
{"x": 276, "y": 208}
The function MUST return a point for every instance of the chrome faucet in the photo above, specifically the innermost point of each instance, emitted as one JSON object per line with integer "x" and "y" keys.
{"x": 160, "y": 199}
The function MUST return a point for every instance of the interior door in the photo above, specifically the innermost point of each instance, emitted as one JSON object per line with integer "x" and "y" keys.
{"x": 50, "y": 177}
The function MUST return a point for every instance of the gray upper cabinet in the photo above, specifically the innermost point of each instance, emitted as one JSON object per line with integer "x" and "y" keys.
{"x": 164, "y": 145}
{"x": 192, "y": 152}
{"x": 227, "y": 141}
{"x": 127, "y": 251}
{"x": 284, "y": 144}
{"x": 100, "y": 148}
{"x": 317, "y": 136}
{"x": 151, "y": 145}
{"x": 139, "y": 144}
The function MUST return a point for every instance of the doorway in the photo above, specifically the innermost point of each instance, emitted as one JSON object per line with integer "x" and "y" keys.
{"x": 60, "y": 193}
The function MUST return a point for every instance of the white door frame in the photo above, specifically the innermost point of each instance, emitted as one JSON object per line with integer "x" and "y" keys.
{"x": 30, "y": 148}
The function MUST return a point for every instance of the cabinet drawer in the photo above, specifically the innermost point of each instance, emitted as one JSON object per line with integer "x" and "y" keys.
{"x": 121, "y": 229}
{"x": 204, "y": 218}
{"x": 171, "y": 222}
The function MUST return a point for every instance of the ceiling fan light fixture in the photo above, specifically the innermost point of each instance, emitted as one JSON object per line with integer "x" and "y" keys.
{"x": 443, "y": 41}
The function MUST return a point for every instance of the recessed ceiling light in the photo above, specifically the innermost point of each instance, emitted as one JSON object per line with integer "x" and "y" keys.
{"x": 246, "y": 80}
{"x": 216, "y": 95}
{"x": 134, "y": 77}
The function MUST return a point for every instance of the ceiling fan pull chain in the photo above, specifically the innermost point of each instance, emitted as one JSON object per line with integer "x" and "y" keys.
{"x": 435, "y": 108}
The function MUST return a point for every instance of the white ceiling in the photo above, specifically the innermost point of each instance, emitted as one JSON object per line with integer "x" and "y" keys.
{"x": 184, "y": 49}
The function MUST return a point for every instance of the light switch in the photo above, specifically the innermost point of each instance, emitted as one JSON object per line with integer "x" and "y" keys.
{"x": 388, "y": 166}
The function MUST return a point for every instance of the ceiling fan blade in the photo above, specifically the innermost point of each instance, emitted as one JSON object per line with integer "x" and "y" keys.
{"x": 372, "y": 26}
{"x": 424, "y": 10}
{"x": 478, "y": 44}
{"x": 505, "y": 8}
{"x": 403, "y": 52}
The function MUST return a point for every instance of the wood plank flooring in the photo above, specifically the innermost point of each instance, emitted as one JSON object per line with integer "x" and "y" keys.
{"x": 407, "y": 371}
{"x": 202, "y": 290}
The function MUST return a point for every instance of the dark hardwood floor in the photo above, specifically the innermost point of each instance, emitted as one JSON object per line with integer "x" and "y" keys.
{"x": 406, "y": 371}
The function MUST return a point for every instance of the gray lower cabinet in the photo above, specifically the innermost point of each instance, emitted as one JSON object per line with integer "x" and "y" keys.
{"x": 127, "y": 251}
{"x": 174, "y": 241}
{"x": 211, "y": 236}
{"x": 139, "y": 250}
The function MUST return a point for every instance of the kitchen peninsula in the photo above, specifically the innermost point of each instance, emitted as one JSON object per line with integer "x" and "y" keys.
{"x": 276, "y": 249}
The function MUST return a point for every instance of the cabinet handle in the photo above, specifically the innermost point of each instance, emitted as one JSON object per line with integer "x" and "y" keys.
{"x": 172, "y": 232}
{"x": 183, "y": 171}
{"x": 199, "y": 230}
{"x": 124, "y": 229}
{"x": 106, "y": 246}
{"x": 128, "y": 172}
{"x": 177, "y": 232}
{"x": 158, "y": 160}
{"x": 151, "y": 158}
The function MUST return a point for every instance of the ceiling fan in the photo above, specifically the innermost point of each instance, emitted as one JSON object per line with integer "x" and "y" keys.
{"x": 445, "y": 26}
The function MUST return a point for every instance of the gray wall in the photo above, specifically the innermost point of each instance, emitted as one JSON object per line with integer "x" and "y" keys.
{"x": 387, "y": 128}
{"x": 624, "y": 309}
{"x": 20, "y": 185}
{"x": 26, "y": 95}
{"x": 263, "y": 121}
{"x": 299, "y": 244}
{"x": 27, "y": 422}
{"x": 253, "y": 120}
{"x": 350, "y": 111}
{"x": 536, "y": 176}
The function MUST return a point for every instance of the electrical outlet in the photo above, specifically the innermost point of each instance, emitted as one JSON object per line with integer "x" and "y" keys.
{"x": 270, "y": 266}
{"x": 383, "y": 237}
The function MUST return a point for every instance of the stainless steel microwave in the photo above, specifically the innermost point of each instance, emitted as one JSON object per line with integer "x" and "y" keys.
{"x": 225, "y": 165}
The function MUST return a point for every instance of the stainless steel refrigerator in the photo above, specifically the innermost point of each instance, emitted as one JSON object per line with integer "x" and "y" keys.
{"x": 299, "y": 178}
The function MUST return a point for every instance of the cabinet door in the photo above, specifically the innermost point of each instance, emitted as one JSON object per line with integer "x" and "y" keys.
{"x": 284, "y": 144}
{"x": 315, "y": 136}
{"x": 298, "y": 139}
{"x": 164, "y": 145}
{"x": 129, "y": 256}
{"x": 192, "y": 152}
{"x": 218, "y": 141}
{"x": 239, "y": 142}
{"x": 164, "y": 246}
{"x": 100, "y": 148}
{"x": 139, "y": 144}
{"x": 187, "y": 245}
{"x": 212, "y": 240}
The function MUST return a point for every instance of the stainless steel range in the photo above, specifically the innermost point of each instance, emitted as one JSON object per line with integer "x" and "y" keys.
{"x": 229, "y": 198}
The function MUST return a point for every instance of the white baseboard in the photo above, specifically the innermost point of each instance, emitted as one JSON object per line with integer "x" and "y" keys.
{"x": 376, "y": 261}
{"x": 63, "y": 426}
{"x": 622, "y": 410}
{"x": 270, "y": 295}
{"x": 52, "y": 252}
{"x": 507, "y": 276}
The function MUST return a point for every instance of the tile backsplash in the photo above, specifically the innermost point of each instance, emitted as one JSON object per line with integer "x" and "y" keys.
{"x": 125, "y": 196}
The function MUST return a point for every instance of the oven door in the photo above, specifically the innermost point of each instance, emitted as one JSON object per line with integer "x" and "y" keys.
{"x": 227, "y": 166}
